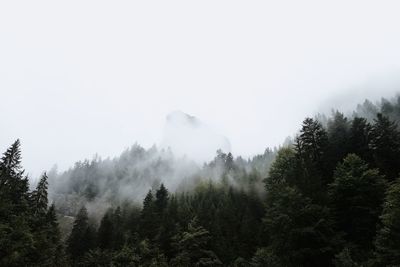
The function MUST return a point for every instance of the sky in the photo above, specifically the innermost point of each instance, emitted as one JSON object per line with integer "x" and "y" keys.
{"x": 84, "y": 77}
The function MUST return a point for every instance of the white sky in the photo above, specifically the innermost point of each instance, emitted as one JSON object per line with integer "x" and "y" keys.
{"x": 80, "y": 77}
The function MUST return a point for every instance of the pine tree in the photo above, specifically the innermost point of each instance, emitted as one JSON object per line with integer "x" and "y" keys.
{"x": 11, "y": 161}
{"x": 14, "y": 186}
{"x": 148, "y": 227}
{"x": 192, "y": 247}
{"x": 161, "y": 201}
{"x": 388, "y": 237}
{"x": 39, "y": 197}
{"x": 119, "y": 238}
{"x": 385, "y": 144}
{"x": 311, "y": 148}
{"x": 299, "y": 232}
{"x": 16, "y": 239}
{"x": 338, "y": 136}
{"x": 359, "y": 139}
{"x": 356, "y": 197}
{"x": 105, "y": 234}
{"x": 81, "y": 238}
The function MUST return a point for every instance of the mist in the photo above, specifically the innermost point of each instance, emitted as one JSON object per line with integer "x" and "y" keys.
{"x": 79, "y": 78}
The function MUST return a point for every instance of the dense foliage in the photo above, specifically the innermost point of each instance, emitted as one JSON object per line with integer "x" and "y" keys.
{"x": 330, "y": 198}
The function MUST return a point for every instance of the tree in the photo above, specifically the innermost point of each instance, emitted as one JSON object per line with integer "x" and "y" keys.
{"x": 161, "y": 201}
{"x": 264, "y": 257}
{"x": 81, "y": 238}
{"x": 39, "y": 197}
{"x": 385, "y": 145}
{"x": 356, "y": 197}
{"x": 105, "y": 233}
{"x": 388, "y": 237}
{"x": 16, "y": 239}
{"x": 11, "y": 160}
{"x": 338, "y": 135}
{"x": 55, "y": 250}
{"x": 147, "y": 228}
{"x": 359, "y": 139}
{"x": 311, "y": 147}
{"x": 299, "y": 232}
{"x": 284, "y": 169}
{"x": 14, "y": 186}
{"x": 192, "y": 247}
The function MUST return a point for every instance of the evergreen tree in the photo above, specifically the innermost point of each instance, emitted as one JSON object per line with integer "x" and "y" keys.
{"x": 339, "y": 137}
{"x": 385, "y": 144}
{"x": 39, "y": 197}
{"x": 16, "y": 239}
{"x": 81, "y": 238}
{"x": 148, "y": 218}
{"x": 299, "y": 232}
{"x": 264, "y": 257}
{"x": 359, "y": 139}
{"x": 119, "y": 238}
{"x": 55, "y": 255}
{"x": 284, "y": 169}
{"x": 161, "y": 201}
{"x": 356, "y": 195}
{"x": 388, "y": 237}
{"x": 105, "y": 233}
{"x": 14, "y": 186}
{"x": 192, "y": 247}
{"x": 311, "y": 148}
{"x": 11, "y": 161}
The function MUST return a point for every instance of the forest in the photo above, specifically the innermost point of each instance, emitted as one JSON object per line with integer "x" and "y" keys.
{"x": 330, "y": 196}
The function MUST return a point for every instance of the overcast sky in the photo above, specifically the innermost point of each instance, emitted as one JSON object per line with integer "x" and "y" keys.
{"x": 85, "y": 77}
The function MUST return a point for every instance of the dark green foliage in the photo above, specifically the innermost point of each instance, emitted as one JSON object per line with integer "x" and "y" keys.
{"x": 388, "y": 237}
{"x": 339, "y": 139}
{"x": 311, "y": 149}
{"x": 39, "y": 196}
{"x": 192, "y": 247}
{"x": 385, "y": 145}
{"x": 359, "y": 139}
{"x": 265, "y": 257}
{"x": 148, "y": 218}
{"x": 82, "y": 237}
{"x": 356, "y": 197}
{"x": 161, "y": 201}
{"x": 105, "y": 233}
{"x": 29, "y": 234}
{"x": 344, "y": 259}
{"x": 300, "y": 233}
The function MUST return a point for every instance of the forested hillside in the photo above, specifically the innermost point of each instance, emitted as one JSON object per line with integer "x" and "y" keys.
{"x": 331, "y": 197}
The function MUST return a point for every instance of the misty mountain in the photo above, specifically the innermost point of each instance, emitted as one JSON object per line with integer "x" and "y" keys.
{"x": 330, "y": 197}
{"x": 191, "y": 153}
{"x": 188, "y": 136}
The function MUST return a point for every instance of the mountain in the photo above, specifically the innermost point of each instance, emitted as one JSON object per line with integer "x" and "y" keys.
{"x": 188, "y": 136}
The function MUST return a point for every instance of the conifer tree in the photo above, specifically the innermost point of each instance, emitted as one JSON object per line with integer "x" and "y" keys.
{"x": 16, "y": 241}
{"x": 81, "y": 238}
{"x": 338, "y": 136}
{"x": 356, "y": 197}
{"x": 105, "y": 234}
{"x": 39, "y": 197}
{"x": 161, "y": 201}
{"x": 148, "y": 218}
{"x": 311, "y": 149}
{"x": 388, "y": 237}
{"x": 192, "y": 247}
{"x": 11, "y": 161}
{"x": 385, "y": 144}
{"x": 359, "y": 139}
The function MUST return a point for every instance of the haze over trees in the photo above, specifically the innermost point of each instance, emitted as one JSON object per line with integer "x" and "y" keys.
{"x": 331, "y": 197}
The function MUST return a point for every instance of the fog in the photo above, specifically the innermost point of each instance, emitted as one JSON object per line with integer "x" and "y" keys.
{"x": 79, "y": 78}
